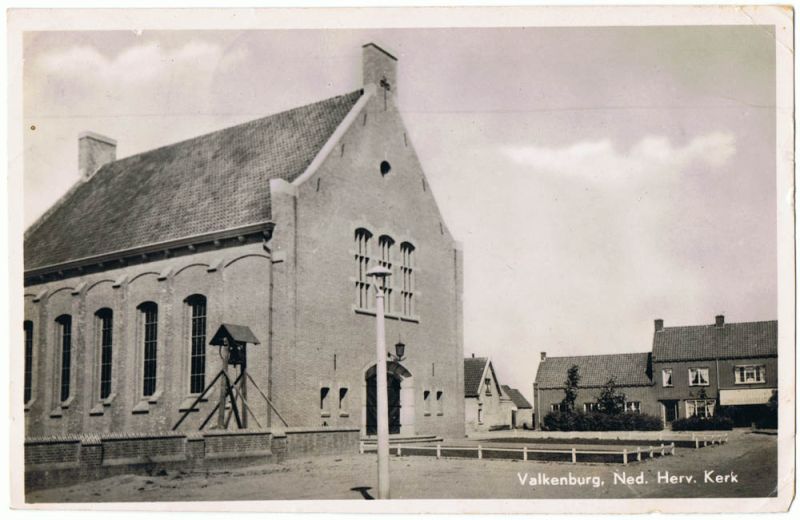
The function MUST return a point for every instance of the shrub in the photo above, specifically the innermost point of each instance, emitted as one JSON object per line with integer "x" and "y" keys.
{"x": 695, "y": 423}
{"x": 599, "y": 422}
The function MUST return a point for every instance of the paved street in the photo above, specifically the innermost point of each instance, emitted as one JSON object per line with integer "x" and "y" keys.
{"x": 750, "y": 458}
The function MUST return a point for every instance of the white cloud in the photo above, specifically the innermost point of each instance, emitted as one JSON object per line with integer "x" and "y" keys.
{"x": 602, "y": 159}
{"x": 144, "y": 78}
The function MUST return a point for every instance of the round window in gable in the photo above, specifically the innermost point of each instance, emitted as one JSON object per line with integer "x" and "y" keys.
{"x": 385, "y": 167}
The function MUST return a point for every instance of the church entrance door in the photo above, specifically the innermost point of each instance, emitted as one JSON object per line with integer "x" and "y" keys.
{"x": 393, "y": 387}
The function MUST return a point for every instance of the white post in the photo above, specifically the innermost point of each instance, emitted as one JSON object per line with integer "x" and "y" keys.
{"x": 383, "y": 401}
{"x": 574, "y": 455}
{"x": 673, "y": 448}
{"x": 651, "y": 452}
{"x": 638, "y": 453}
{"x": 524, "y": 453}
{"x": 361, "y": 447}
{"x": 696, "y": 443}
{"x": 662, "y": 449}
{"x": 438, "y": 451}
{"x": 480, "y": 453}
{"x": 625, "y": 456}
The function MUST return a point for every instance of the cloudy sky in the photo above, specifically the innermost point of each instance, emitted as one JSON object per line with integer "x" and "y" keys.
{"x": 599, "y": 178}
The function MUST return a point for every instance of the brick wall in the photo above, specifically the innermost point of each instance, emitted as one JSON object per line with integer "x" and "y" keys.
{"x": 62, "y": 460}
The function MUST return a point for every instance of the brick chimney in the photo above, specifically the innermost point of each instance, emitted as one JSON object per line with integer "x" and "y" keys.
{"x": 379, "y": 68}
{"x": 720, "y": 320}
{"x": 659, "y": 325}
{"x": 544, "y": 355}
{"x": 94, "y": 150}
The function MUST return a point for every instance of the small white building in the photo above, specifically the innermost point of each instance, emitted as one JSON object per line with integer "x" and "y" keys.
{"x": 486, "y": 406}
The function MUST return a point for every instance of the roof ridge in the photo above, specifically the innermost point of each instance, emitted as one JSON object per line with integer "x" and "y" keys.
{"x": 713, "y": 325}
{"x": 227, "y": 129}
{"x": 598, "y": 355}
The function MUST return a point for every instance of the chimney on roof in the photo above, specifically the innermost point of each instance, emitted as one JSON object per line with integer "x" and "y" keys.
{"x": 379, "y": 68}
{"x": 544, "y": 355}
{"x": 473, "y": 355}
{"x": 94, "y": 150}
{"x": 659, "y": 325}
{"x": 720, "y": 320}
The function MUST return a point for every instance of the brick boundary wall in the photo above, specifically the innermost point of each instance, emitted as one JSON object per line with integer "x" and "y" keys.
{"x": 68, "y": 459}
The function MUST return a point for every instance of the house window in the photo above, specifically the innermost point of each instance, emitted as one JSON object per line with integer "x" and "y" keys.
{"x": 480, "y": 416}
{"x": 105, "y": 324}
{"x": 750, "y": 374}
{"x": 426, "y": 402}
{"x": 666, "y": 377}
{"x": 362, "y": 238}
{"x": 342, "y": 400}
{"x": 197, "y": 339}
{"x": 558, "y": 407}
{"x": 65, "y": 333}
{"x": 28, "y": 327}
{"x": 148, "y": 312}
{"x": 439, "y": 402}
{"x": 385, "y": 243}
{"x": 488, "y": 384}
{"x": 633, "y": 406}
{"x": 407, "y": 270}
{"x": 700, "y": 407}
{"x": 698, "y": 377}
{"x": 590, "y": 407}
{"x": 324, "y": 394}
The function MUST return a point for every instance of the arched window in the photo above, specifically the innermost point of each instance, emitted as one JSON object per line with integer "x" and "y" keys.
{"x": 105, "y": 325}
{"x": 197, "y": 340}
{"x": 407, "y": 270}
{"x": 149, "y": 326}
{"x": 362, "y": 238}
{"x": 64, "y": 326}
{"x": 385, "y": 243}
{"x": 28, "y": 326}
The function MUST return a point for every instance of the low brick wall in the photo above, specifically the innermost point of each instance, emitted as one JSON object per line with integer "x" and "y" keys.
{"x": 62, "y": 460}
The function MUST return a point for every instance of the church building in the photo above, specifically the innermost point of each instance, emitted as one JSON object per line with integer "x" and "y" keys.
{"x": 270, "y": 225}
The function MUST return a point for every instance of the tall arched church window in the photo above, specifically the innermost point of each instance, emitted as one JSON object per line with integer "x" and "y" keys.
{"x": 148, "y": 312}
{"x": 362, "y": 252}
{"x": 28, "y": 327}
{"x": 197, "y": 339}
{"x": 105, "y": 324}
{"x": 385, "y": 243}
{"x": 407, "y": 275}
{"x": 64, "y": 324}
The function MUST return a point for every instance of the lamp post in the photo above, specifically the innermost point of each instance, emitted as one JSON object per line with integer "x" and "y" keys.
{"x": 380, "y": 273}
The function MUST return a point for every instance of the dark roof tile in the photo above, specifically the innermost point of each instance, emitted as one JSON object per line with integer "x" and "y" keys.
{"x": 517, "y": 397}
{"x": 595, "y": 371}
{"x": 473, "y": 372}
{"x": 732, "y": 340}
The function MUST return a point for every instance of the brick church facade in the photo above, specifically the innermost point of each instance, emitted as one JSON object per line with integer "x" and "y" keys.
{"x": 271, "y": 224}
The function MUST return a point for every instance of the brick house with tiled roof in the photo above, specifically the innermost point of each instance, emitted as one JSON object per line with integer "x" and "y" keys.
{"x": 690, "y": 371}
{"x": 486, "y": 406}
{"x": 270, "y": 224}
{"x": 522, "y": 410}
{"x": 631, "y": 374}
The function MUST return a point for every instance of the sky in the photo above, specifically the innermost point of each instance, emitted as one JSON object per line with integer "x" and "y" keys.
{"x": 598, "y": 178}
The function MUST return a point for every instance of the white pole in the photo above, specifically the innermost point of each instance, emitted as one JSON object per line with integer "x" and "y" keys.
{"x": 383, "y": 400}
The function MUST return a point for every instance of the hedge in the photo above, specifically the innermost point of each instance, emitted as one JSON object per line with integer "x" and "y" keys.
{"x": 600, "y": 422}
{"x": 695, "y": 423}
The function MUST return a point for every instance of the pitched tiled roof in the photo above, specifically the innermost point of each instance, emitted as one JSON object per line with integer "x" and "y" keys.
{"x": 515, "y": 395}
{"x": 473, "y": 372}
{"x": 732, "y": 340}
{"x": 595, "y": 371}
{"x": 210, "y": 183}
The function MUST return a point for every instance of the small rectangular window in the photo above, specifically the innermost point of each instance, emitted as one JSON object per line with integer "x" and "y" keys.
{"x": 666, "y": 377}
{"x": 698, "y": 377}
{"x": 426, "y": 402}
{"x": 439, "y": 402}
{"x": 750, "y": 374}
{"x": 65, "y": 336}
{"x": 342, "y": 400}
{"x": 703, "y": 408}
{"x": 488, "y": 384}
{"x": 324, "y": 393}
{"x": 589, "y": 407}
{"x": 633, "y": 406}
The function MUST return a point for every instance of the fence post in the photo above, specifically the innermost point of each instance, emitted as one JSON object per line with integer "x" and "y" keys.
{"x": 480, "y": 453}
{"x": 574, "y": 455}
{"x": 696, "y": 443}
{"x": 625, "y": 456}
{"x": 651, "y": 452}
{"x": 524, "y": 453}
{"x": 638, "y": 453}
{"x": 662, "y": 449}
{"x": 398, "y": 450}
{"x": 438, "y": 451}
{"x": 361, "y": 447}
{"x": 673, "y": 449}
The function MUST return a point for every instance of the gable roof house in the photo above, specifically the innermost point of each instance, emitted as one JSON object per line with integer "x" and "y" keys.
{"x": 487, "y": 406}
{"x": 271, "y": 225}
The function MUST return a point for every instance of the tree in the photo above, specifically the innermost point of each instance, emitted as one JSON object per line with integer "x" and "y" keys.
{"x": 571, "y": 388}
{"x": 610, "y": 401}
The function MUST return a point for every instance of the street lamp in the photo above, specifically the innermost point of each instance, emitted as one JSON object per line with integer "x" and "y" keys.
{"x": 380, "y": 273}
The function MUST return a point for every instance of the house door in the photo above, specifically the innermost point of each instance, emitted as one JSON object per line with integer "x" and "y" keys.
{"x": 513, "y": 418}
{"x": 670, "y": 411}
{"x": 393, "y": 388}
